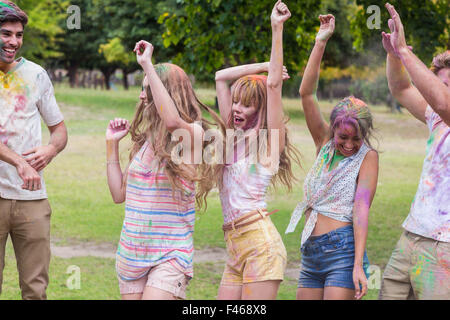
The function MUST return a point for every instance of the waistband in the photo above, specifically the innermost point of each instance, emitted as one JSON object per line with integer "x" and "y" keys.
{"x": 332, "y": 234}
{"x": 242, "y": 221}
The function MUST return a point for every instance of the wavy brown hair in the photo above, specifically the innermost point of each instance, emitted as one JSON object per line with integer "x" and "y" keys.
{"x": 147, "y": 120}
{"x": 10, "y": 12}
{"x": 252, "y": 90}
{"x": 440, "y": 62}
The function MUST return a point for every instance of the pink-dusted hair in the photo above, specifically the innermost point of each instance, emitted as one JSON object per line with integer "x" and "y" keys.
{"x": 355, "y": 112}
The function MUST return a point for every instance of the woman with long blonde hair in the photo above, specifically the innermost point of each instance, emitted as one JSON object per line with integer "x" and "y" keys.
{"x": 256, "y": 253}
{"x": 154, "y": 259}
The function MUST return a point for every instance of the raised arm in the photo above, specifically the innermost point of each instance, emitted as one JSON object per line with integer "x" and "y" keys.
{"x": 317, "y": 125}
{"x": 225, "y": 77}
{"x": 400, "y": 85}
{"x": 432, "y": 89}
{"x": 116, "y": 130}
{"x": 164, "y": 104}
{"x": 275, "y": 115}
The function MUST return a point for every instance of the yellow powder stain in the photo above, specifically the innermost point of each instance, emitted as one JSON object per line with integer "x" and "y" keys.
{"x": 247, "y": 291}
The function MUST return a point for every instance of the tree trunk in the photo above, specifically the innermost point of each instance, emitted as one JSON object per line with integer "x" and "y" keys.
{"x": 83, "y": 80}
{"x": 107, "y": 71}
{"x": 107, "y": 77}
{"x": 72, "y": 74}
{"x": 125, "y": 79}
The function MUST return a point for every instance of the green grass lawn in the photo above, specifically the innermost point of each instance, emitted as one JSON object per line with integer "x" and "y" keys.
{"x": 83, "y": 209}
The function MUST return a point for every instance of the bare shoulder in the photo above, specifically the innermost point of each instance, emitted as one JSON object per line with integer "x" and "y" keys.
{"x": 372, "y": 155}
{"x": 370, "y": 161}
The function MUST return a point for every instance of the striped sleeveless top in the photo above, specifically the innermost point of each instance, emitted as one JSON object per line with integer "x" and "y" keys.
{"x": 158, "y": 226}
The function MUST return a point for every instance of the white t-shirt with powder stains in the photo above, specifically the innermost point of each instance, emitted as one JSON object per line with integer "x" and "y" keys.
{"x": 26, "y": 94}
{"x": 430, "y": 210}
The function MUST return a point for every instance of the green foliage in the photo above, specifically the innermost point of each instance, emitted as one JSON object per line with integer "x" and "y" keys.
{"x": 138, "y": 20}
{"x": 340, "y": 51}
{"x": 425, "y": 23}
{"x": 217, "y": 33}
{"x": 374, "y": 91}
{"x": 44, "y": 22}
{"x": 114, "y": 51}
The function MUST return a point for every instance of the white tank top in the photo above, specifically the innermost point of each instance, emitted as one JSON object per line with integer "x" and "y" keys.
{"x": 243, "y": 188}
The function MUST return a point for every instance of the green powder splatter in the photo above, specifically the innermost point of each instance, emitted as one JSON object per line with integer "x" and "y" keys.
{"x": 2, "y": 4}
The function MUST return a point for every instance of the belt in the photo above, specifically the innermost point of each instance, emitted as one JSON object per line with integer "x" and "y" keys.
{"x": 237, "y": 223}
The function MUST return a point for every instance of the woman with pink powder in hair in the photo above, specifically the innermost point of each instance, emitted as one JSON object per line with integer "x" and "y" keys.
{"x": 256, "y": 253}
{"x": 338, "y": 190}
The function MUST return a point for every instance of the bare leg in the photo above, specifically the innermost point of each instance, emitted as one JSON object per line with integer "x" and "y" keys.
{"x": 336, "y": 293}
{"x": 229, "y": 292}
{"x": 152, "y": 293}
{"x": 132, "y": 296}
{"x": 309, "y": 294}
{"x": 261, "y": 290}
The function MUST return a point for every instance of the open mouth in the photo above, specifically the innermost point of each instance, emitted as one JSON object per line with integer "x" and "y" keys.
{"x": 346, "y": 150}
{"x": 9, "y": 52}
{"x": 238, "y": 119}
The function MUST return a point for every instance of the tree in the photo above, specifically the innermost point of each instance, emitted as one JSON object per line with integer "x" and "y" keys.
{"x": 425, "y": 21}
{"x": 44, "y": 22}
{"x": 80, "y": 47}
{"x": 340, "y": 52}
{"x": 221, "y": 33}
{"x": 115, "y": 52}
{"x": 127, "y": 24}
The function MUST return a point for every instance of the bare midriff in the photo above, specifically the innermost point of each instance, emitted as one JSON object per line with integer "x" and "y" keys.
{"x": 325, "y": 224}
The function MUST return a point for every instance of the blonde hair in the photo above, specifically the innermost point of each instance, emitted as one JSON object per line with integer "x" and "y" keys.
{"x": 147, "y": 119}
{"x": 252, "y": 90}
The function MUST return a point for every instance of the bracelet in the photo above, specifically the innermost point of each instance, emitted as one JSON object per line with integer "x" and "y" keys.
{"x": 112, "y": 161}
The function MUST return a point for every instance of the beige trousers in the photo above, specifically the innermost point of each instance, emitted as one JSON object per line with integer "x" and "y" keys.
{"x": 28, "y": 223}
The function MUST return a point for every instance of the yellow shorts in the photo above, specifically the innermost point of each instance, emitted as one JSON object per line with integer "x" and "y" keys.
{"x": 255, "y": 253}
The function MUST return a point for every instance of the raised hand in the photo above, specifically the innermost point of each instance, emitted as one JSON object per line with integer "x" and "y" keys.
{"x": 117, "y": 129}
{"x": 285, "y": 74}
{"x": 386, "y": 40}
{"x": 144, "y": 52}
{"x": 397, "y": 37}
{"x": 326, "y": 27}
{"x": 280, "y": 13}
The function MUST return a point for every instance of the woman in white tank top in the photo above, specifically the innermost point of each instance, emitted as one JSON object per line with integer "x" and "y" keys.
{"x": 253, "y": 107}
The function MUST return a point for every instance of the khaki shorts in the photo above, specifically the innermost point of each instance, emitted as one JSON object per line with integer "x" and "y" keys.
{"x": 255, "y": 253}
{"x": 163, "y": 276}
{"x": 419, "y": 268}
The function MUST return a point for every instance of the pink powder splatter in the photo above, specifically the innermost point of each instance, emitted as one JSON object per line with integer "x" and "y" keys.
{"x": 21, "y": 102}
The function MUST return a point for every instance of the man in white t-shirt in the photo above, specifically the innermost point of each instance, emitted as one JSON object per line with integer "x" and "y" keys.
{"x": 26, "y": 95}
{"x": 419, "y": 267}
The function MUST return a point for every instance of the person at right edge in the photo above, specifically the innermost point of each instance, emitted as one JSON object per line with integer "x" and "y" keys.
{"x": 419, "y": 267}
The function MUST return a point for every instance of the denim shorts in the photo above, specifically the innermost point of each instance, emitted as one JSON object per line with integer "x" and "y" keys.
{"x": 328, "y": 260}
